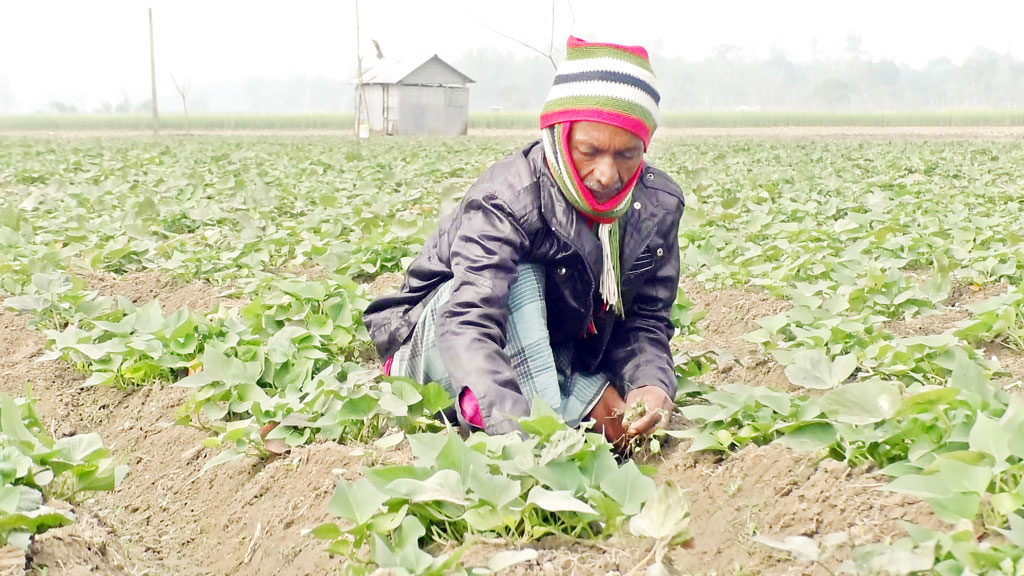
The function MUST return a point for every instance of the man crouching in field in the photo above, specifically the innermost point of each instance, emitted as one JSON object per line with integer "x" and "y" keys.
{"x": 554, "y": 278}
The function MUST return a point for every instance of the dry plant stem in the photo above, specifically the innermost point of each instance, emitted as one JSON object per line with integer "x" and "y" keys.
{"x": 647, "y": 559}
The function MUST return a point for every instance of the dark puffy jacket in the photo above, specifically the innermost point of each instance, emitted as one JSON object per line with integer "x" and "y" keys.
{"x": 515, "y": 213}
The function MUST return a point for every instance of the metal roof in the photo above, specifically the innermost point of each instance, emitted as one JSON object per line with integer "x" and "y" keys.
{"x": 394, "y": 71}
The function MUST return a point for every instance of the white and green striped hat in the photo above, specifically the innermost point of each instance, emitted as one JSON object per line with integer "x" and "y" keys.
{"x": 607, "y": 83}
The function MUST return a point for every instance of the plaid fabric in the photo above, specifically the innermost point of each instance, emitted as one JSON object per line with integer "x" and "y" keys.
{"x": 542, "y": 372}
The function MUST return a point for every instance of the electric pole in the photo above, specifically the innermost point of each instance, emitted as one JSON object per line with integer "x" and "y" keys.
{"x": 360, "y": 91}
{"x": 152, "y": 72}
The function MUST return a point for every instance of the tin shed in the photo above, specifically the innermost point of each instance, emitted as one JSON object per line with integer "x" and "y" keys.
{"x": 415, "y": 96}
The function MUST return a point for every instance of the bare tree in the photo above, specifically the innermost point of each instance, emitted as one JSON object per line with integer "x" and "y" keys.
{"x": 550, "y": 54}
{"x": 183, "y": 89}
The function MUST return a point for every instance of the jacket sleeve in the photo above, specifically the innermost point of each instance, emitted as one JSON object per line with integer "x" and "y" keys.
{"x": 638, "y": 352}
{"x": 471, "y": 325}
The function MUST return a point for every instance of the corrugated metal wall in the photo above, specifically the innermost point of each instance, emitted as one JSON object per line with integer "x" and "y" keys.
{"x": 432, "y": 99}
{"x": 433, "y": 110}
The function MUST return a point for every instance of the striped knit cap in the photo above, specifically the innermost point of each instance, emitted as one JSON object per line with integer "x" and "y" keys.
{"x": 606, "y": 83}
{"x": 613, "y": 85}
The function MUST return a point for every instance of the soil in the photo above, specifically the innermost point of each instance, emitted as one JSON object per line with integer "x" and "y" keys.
{"x": 775, "y": 492}
{"x": 252, "y": 517}
{"x": 953, "y": 310}
{"x": 386, "y": 283}
{"x": 141, "y": 287}
{"x": 729, "y": 314}
{"x": 167, "y": 517}
{"x": 957, "y": 308}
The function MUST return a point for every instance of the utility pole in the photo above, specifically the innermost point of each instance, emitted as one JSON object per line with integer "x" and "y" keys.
{"x": 152, "y": 72}
{"x": 360, "y": 96}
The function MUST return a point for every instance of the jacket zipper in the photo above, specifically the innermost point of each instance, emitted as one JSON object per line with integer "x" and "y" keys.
{"x": 590, "y": 274}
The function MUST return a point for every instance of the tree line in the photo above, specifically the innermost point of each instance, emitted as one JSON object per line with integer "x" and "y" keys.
{"x": 727, "y": 79}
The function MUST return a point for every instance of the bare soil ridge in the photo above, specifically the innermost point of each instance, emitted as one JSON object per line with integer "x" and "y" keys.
{"x": 250, "y": 516}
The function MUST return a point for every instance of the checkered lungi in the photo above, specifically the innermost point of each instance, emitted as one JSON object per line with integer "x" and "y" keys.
{"x": 542, "y": 372}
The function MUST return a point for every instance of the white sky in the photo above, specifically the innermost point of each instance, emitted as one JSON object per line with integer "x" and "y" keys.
{"x": 92, "y": 50}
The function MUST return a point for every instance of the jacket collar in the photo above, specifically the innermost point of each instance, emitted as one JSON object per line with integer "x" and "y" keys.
{"x": 560, "y": 214}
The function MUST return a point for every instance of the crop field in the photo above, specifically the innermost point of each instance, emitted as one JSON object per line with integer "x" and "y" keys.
{"x": 849, "y": 347}
{"x": 518, "y": 120}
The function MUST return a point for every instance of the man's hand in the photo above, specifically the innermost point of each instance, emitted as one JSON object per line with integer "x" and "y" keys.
{"x": 658, "y": 407}
{"x": 607, "y": 415}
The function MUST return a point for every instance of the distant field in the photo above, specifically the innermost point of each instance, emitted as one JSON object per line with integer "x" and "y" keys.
{"x": 516, "y": 120}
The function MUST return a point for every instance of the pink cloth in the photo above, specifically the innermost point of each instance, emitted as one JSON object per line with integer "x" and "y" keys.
{"x": 588, "y": 196}
{"x": 470, "y": 408}
{"x": 637, "y": 51}
{"x": 386, "y": 368}
{"x": 624, "y": 121}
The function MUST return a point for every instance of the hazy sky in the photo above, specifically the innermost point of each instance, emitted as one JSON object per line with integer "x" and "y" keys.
{"x": 99, "y": 51}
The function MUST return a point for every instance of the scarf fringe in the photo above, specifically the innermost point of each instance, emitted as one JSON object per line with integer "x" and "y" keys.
{"x": 608, "y": 234}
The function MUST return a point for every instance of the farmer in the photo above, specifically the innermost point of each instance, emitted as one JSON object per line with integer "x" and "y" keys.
{"x": 554, "y": 278}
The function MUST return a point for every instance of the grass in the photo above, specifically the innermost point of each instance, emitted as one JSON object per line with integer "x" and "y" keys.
{"x": 769, "y": 119}
{"x": 57, "y": 122}
{"x": 516, "y": 120}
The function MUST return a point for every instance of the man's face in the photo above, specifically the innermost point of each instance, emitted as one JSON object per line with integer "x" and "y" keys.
{"x": 606, "y": 156}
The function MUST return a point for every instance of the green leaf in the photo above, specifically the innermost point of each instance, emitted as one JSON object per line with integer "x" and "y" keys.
{"x": 443, "y": 486}
{"x": 989, "y": 437}
{"x": 810, "y": 437}
{"x": 389, "y": 441}
{"x": 861, "y": 403}
{"x": 358, "y": 408}
{"x": 629, "y": 487}
{"x": 559, "y": 475}
{"x": 406, "y": 390}
{"x": 1007, "y": 503}
{"x": 920, "y": 485}
{"x": 508, "y": 558}
{"x": 425, "y": 447}
{"x": 665, "y": 517}
{"x": 598, "y": 464}
{"x": 955, "y": 507}
{"x": 313, "y": 290}
{"x": 813, "y": 369}
{"x": 803, "y": 548}
{"x": 393, "y": 404}
{"x": 542, "y": 422}
{"x": 356, "y": 501}
{"x": 223, "y": 458}
{"x": 435, "y": 398}
{"x": 498, "y": 491}
{"x": 970, "y": 377}
{"x": 562, "y": 444}
{"x": 486, "y": 518}
{"x": 456, "y": 455}
{"x": 380, "y": 477}
{"x": 557, "y": 501}
{"x": 327, "y": 531}
{"x": 1015, "y": 533}
{"x": 10, "y": 420}
{"x": 958, "y": 476}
